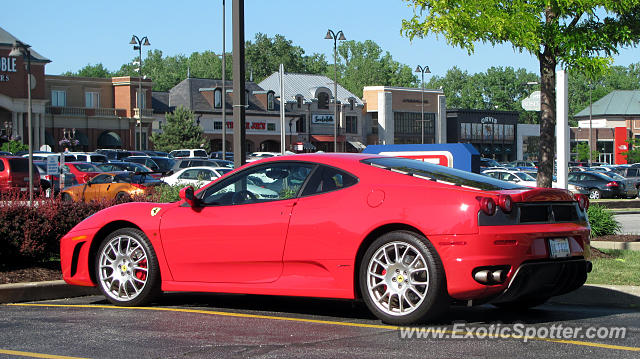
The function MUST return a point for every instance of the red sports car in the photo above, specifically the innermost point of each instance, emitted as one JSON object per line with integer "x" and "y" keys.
{"x": 405, "y": 236}
{"x": 84, "y": 171}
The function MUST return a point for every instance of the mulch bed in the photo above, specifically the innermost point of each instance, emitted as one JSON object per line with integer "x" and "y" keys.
{"x": 38, "y": 273}
{"x": 618, "y": 238}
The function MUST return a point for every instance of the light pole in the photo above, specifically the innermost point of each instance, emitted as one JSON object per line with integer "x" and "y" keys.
{"x": 590, "y": 119}
{"x": 422, "y": 70}
{"x": 22, "y": 49}
{"x": 335, "y": 37}
{"x": 224, "y": 88}
{"x": 137, "y": 45}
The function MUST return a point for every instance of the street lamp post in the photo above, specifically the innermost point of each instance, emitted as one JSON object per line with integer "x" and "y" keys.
{"x": 335, "y": 37}
{"x": 422, "y": 70}
{"x": 137, "y": 45}
{"x": 224, "y": 87}
{"x": 590, "y": 119}
{"x": 22, "y": 49}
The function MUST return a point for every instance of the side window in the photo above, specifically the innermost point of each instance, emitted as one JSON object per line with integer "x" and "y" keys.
{"x": 327, "y": 179}
{"x": 1, "y": 165}
{"x": 189, "y": 174}
{"x": 269, "y": 182}
{"x": 102, "y": 179}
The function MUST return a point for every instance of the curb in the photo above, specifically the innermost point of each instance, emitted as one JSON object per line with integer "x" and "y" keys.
{"x": 635, "y": 246}
{"x": 601, "y": 295}
{"x": 33, "y": 291}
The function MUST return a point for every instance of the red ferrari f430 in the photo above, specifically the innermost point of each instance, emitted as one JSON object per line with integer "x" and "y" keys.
{"x": 406, "y": 237}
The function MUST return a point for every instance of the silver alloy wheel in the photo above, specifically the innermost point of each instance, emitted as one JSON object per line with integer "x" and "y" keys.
{"x": 397, "y": 278}
{"x": 594, "y": 194}
{"x": 123, "y": 268}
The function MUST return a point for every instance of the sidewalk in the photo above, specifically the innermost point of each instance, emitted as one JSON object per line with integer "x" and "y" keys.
{"x": 620, "y": 296}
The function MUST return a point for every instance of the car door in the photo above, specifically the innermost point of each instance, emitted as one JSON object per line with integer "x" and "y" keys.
{"x": 95, "y": 187}
{"x": 238, "y": 233}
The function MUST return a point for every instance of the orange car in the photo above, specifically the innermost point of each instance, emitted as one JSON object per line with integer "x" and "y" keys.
{"x": 111, "y": 185}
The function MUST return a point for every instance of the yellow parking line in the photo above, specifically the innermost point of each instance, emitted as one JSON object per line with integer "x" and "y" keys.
{"x": 326, "y": 322}
{"x": 34, "y": 355}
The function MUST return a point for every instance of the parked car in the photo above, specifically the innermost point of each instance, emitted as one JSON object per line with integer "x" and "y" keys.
{"x": 598, "y": 184}
{"x": 111, "y": 185}
{"x": 128, "y": 167}
{"x": 165, "y": 164}
{"x": 254, "y": 156}
{"x": 14, "y": 176}
{"x": 83, "y": 171}
{"x": 404, "y": 236}
{"x": 188, "y": 153}
{"x": 42, "y": 156}
{"x": 144, "y": 160}
{"x": 573, "y": 188}
{"x": 113, "y": 154}
{"x": 523, "y": 165}
{"x": 181, "y": 163}
{"x": 218, "y": 155}
{"x": 50, "y": 184}
{"x": 198, "y": 176}
{"x": 5, "y": 153}
{"x": 156, "y": 153}
{"x": 93, "y": 157}
{"x": 518, "y": 177}
{"x": 630, "y": 173}
{"x": 629, "y": 190}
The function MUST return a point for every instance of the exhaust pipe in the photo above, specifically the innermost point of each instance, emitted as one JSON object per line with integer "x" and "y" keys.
{"x": 498, "y": 276}
{"x": 482, "y": 276}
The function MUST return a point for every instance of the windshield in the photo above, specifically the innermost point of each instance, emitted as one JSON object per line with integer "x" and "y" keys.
{"x": 87, "y": 167}
{"x": 441, "y": 173}
{"x": 524, "y": 176}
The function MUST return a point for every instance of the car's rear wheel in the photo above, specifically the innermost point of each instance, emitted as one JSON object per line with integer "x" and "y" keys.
{"x": 595, "y": 193}
{"x": 127, "y": 268}
{"x": 66, "y": 197}
{"x": 402, "y": 280}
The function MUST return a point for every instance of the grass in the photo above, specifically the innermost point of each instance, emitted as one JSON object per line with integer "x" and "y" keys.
{"x": 622, "y": 269}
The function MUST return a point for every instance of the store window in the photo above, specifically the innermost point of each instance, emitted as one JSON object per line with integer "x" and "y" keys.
{"x": 217, "y": 98}
{"x": 271, "y": 100}
{"x": 92, "y": 99}
{"x": 58, "y": 98}
{"x": 323, "y": 100}
{"x": 351, "y": 124}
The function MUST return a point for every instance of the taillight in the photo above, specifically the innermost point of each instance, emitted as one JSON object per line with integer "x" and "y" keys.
{"x": 137, "y": 185}
{"x": 487, "y": 205}
{"x": 505, "y": 202}
{"x": 583, "y": 201}
{"x": 612, "y": 184}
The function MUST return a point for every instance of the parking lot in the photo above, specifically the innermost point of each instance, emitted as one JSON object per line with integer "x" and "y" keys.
{"x": 207, "y": 326}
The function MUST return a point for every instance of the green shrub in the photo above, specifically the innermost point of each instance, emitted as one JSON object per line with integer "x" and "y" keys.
{"x": 602, "y": 221}
{"x": 165, "y": 193}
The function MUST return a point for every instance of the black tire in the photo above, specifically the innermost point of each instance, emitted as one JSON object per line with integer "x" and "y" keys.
{"x": 423, "y": 279}
{"x": 595, "y": 193}
{"x": 66, "y": 197}
{"x": 522, "y": 304}
{"x": 123, "y": 197}
{"x": 119, "y": 268}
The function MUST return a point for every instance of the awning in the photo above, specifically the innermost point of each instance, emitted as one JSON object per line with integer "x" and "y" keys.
{"x": 326, "y": 138}
{"x": 358, "y": 145}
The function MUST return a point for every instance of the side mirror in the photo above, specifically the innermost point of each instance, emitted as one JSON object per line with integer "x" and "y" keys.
{"x": 188, "y": 196}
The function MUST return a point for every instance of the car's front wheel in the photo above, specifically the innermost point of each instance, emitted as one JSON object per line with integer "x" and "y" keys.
{"x": 127, "y": 268}
{"x": 402, "y": 280}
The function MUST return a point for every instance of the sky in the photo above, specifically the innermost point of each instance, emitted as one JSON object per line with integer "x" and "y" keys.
{"x": 75, "y": 33}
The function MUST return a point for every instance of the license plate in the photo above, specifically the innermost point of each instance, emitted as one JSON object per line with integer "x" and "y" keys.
{"x": 559, "y": 248}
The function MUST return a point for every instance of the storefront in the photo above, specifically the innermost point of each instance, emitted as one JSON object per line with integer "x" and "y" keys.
{"x": 14, "y": 104}
{"x": 400, "y": 115}
{"x": 492, "y": 133}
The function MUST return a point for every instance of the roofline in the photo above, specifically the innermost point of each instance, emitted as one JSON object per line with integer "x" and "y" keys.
{"x": 410, "y": 89}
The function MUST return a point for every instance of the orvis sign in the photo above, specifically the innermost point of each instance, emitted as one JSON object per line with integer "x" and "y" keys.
{"x": 7, "y": 65}
{"x": 322, "y": 119}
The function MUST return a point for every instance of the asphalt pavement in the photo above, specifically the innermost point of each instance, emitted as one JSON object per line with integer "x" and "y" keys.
{"x": 630, "y": 222}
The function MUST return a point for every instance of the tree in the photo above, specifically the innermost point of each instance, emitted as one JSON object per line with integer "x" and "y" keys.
{"x": 179, "y": 131}
{"x": 582, "y": 150}
{"x": 633, "y": 152}
{"x": 576, "y": 34}
{"x": 14, "y": 146}
{"x": 97, "y": 70}
{"x": 364, "y": 64}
